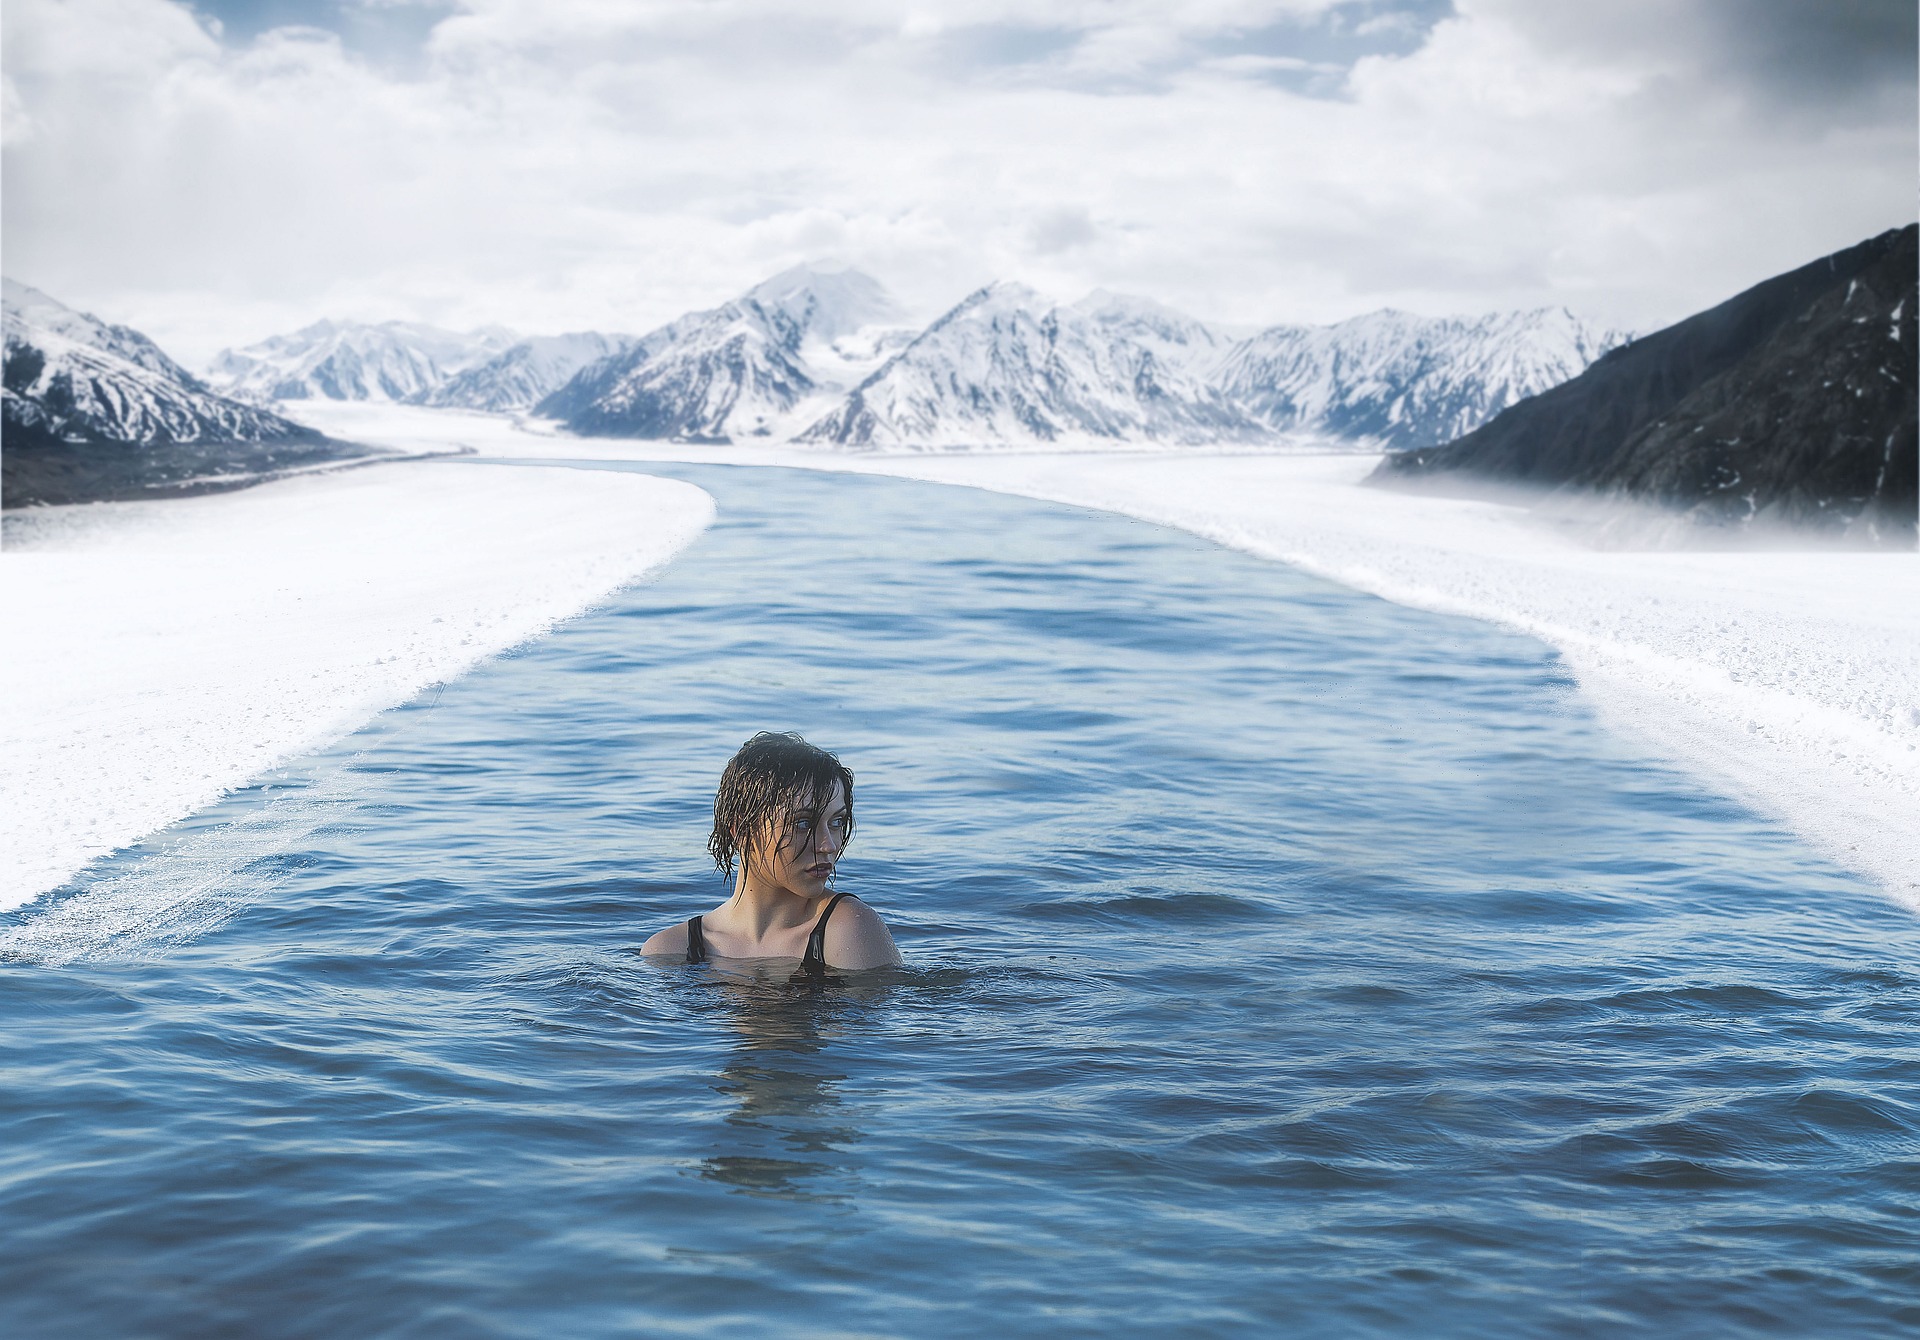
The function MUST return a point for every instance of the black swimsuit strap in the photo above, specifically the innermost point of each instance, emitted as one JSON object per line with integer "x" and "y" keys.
{"x": 696, "y": 941}
{"x": 814, "y": 961}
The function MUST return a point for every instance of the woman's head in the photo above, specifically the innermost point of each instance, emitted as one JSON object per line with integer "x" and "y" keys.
{"x": 780, "y": 793}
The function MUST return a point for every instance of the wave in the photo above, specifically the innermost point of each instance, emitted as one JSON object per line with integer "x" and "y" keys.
{"x": 145, "y": 902}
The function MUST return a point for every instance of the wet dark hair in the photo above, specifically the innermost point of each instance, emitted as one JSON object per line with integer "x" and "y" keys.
{"x": 771, "y": 773}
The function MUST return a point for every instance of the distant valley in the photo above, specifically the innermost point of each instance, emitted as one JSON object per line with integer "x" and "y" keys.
{"x": 1793, "y": 401}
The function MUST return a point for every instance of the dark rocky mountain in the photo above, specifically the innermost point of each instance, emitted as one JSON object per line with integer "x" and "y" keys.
{"x": 1793, "y": 402}
{"x": 94, "y": 411}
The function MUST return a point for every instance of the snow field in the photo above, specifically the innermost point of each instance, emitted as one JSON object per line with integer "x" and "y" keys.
{"x": 162, "y": 653}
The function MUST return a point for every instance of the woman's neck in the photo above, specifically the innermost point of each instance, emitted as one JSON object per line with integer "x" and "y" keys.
{"x": 759, "y": 906}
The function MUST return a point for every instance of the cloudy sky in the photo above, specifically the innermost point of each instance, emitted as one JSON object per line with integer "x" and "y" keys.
{"x": 219, "y": 170}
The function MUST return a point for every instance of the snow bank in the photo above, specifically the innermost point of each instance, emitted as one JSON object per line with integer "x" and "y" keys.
{"x": 161, "y": 653}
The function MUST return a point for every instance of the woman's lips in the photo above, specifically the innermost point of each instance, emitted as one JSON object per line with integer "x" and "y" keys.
{"x": 820, "y": 871}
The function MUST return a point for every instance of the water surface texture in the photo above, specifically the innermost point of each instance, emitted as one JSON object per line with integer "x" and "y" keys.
{"x": 1281, "y": 962}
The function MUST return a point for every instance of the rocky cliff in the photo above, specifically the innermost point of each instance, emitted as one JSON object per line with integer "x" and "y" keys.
{"x": 1793, "y": 402}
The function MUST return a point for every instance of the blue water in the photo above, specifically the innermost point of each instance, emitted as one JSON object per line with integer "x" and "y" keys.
{"x": 1281, "y": 961}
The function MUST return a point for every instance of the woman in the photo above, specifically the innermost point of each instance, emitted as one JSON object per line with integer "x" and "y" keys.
{"x": 784, "y": 814}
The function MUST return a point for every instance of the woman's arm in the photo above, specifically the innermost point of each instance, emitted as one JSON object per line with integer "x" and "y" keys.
{"x": 672, "y": 940}
{"x": 857, "y": 938}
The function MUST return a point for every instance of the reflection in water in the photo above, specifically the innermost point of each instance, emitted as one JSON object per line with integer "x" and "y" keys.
{"x": 790, "y": 1124}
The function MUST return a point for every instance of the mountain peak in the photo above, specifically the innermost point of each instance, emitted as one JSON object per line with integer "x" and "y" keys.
{"x": 353, "y": 360}
{"x": 94, "y": 410}
{"x": 24, "y": 296}
{"x": 824, "y": 300}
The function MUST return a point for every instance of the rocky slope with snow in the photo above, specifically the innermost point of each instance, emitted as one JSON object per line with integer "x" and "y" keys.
{"x": 350, "y": 360}
{"x": 94, "y": 410}
{"x": 1007, "y": 367}
{"x": 817, "y": 355}
{"x": 1401, "y": 380}
{"x": 1793, "y": 401}
{"x": 758, "y": 366}
{"x": 523, "y": 375}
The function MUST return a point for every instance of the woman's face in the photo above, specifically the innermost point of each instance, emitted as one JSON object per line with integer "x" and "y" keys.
{"x": 802, "y": 846}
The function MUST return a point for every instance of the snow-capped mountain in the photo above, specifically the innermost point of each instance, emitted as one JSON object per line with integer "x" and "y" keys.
{"x": 1407, "y": 381}
{"x": 1007, "y": 367}
{"x": 94, "y": 411}
{"x": 349, "y": 360}
{"x": 756, "y": 367}
{"x": 73, "y": 378}
{"x": 527, "y": 373}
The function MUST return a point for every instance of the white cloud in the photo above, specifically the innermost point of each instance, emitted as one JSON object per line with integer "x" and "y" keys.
{"x": 606, "y": 163}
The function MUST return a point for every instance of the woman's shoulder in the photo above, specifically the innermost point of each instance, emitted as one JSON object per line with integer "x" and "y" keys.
{"x": 672, "y": 940}
{"x": 857, "y": 937}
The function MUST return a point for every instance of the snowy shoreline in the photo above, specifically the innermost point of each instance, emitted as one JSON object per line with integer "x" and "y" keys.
{"x": 1789, "y": 680}
{"x": 162, "y": 653}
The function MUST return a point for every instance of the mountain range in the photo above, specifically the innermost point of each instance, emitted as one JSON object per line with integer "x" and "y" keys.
{"x": 1405, "y": 380}
{"x": 1006, "y": 366}
{"x": 94, "y": 410}
{"x": 821, "y": 356}
{"x": 350, "y": 360}
{"x": 523, "y": 374}
{"x": 752, "y": 367}
{"x": 1794, "y": 401}
{"x": 811, "y": 356}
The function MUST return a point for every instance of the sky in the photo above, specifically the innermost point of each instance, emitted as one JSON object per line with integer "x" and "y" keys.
{"x": 217, "y": 171}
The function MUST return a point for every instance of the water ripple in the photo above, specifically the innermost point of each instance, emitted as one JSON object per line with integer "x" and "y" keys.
{"x": 1281, "y": 961}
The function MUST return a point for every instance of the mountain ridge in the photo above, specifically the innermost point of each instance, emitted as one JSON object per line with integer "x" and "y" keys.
{"x": 94, "y": 411}
{"x": 398, "y": 361}
{"x": 744, "y": 368}
{"x": 1794, "y": 401}
{"x": 815, "y": 355}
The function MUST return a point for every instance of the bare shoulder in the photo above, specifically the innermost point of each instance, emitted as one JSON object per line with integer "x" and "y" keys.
{"x": 857, "y": 938}
{"x": 672, "y": 940}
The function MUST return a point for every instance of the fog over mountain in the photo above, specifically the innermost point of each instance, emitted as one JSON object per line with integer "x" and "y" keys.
{"x": 524, "y": 374}
{"x": 350, "y": 360}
